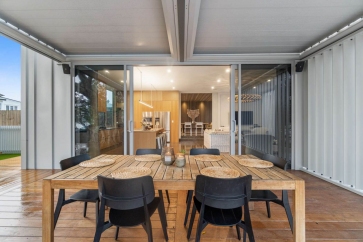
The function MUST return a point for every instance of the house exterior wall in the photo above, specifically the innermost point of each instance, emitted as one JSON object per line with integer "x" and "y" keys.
{"x": 9, "y": 104}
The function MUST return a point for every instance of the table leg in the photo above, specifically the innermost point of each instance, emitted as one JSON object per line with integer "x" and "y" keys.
{"x": 299, "y": 211}
{"x": 48, "y": 212}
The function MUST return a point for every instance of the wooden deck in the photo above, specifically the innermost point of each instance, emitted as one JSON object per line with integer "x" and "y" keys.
{"x": 332, "y": 214}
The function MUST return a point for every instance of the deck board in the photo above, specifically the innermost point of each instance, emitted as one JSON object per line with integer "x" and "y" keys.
{"x": 332, "y": 214}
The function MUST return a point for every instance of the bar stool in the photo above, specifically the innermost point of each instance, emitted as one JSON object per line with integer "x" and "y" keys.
{"x": 198, "y": 125}
{"x": 159, "y": 143}
{"x": 188, "y": 125}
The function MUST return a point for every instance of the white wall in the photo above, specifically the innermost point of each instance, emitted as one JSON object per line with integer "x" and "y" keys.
{"x": 46, "y": 112}
{"x": 220, "y": 110}
{"x": 334, "y": 97}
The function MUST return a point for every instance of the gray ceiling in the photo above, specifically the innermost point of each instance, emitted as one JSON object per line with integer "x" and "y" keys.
{"x": 139, "y": 26}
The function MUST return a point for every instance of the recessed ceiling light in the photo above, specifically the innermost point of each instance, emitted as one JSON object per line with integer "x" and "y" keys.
{"x": 212, "y": 87}
{"x": 107, "y": 71}
{"x": 228, "y": 70}
{"x": 173, "y": 87}
{"x": 254, "y": 87}
{"x": 269, "y": 80}
{"x": 122, "y": 81}
{"x": 219, "y": 80}
{"x": 168, "y": 70}
{"x": 171, "y": 80}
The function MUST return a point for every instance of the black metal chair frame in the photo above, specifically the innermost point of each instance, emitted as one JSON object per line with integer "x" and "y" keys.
{"x": 131, "y": 202}
{"x": 219, "y": 201}
{"x": 154, "y": 152}
{"x": 85, "y": 195}
{"x": 268, "y": 196}
{"x": 195, "y": 151}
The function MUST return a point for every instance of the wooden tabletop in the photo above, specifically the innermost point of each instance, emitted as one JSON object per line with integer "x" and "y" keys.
{"x": 176, "y": 178}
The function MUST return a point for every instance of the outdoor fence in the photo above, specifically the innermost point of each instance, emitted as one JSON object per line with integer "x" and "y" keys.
{"x": 10, "y": 139}
{"x": 10, "y": 118}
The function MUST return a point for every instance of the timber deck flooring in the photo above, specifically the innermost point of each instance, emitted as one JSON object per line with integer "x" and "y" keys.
{"x": 332, "y": 214}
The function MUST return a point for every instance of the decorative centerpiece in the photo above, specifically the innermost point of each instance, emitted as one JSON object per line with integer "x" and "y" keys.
{"x": 145, "y": 125}
{"x": 180, "y": 159}
{"x": 167, "y": 156}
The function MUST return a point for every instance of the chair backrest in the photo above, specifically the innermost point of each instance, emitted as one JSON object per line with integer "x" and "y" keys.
{"x": 223, "y": 193}
{"x": 199, "y": 124}
{"x": 126, "y": 193}
{"x": 187, "y": 124}
{"x": 195, "y": 151}
{"x": 148, "y": 152}
{"x": 279, "y": 162}
{"x": 72, "y": 161}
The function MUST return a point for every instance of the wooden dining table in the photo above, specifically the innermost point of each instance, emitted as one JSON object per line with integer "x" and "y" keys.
{"x": 174, "y": 178}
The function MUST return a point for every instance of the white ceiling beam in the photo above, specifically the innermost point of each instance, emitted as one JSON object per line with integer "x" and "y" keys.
{"x": 15, "y": 34}
{"x": 171, "y": 22}
{"x": 161, "y": 59}
{"x": 191, "y": 24}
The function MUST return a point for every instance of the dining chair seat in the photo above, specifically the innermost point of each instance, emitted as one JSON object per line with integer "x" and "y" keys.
{"x": 85, "y": 195}
{"x": 221, "y": 217}
{"x": 135, "y": 216}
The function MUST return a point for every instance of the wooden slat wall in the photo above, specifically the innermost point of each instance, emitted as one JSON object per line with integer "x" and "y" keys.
{"x": 335, "y": 116}
{"x": 205, "y": 111}
{"x": 10, "y": 118}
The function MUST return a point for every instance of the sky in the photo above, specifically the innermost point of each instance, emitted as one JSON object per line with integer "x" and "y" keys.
{"x": 10, "y": 68}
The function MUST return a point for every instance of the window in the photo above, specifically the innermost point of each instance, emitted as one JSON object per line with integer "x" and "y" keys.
{"x": 11, "y": 108}
{"x": 109, "y": 108}
{"x": 15, "y": 107}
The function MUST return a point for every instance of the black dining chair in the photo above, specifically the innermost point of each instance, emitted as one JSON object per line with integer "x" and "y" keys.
{"x": 153, "y": 152}
{"x": 131, "y": 202}
{"x": 268, "y": 196}
{"x": 196, "y": 151}
{"x": 85, "y": 195}
{"x": 219, "y": 202}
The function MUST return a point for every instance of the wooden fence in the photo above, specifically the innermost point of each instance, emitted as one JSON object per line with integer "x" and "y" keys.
{"x": 10, "y": 118}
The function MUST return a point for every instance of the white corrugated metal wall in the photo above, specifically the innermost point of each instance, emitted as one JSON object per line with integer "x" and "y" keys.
{"x": 335, "y": 113}
{"x": 46, "y": 112}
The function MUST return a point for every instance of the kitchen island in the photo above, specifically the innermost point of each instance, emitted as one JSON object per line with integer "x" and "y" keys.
{"x": 146, "y": 139}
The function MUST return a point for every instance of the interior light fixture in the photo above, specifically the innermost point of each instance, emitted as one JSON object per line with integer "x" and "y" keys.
{"x": 254, "y": 87}
{"x": 140, "y": 101}
{"x": 107, "y": 71}
{"x": 168, "y": 70}
{"x": 122, "y": 81}
{"x": 219, "y": 80}
{"x": 212, "y": 87}
{"x": 171, "y": 80}
{"x": 173, "y": 87}
{"x": 269, "y": 80}
{"x": 228, "y": 70}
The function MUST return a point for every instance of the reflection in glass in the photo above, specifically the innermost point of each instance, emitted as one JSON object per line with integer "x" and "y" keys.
{"x": 266, "y": 110}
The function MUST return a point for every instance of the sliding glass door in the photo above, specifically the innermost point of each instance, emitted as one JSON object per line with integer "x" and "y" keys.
{"x": 99, "y": 109}
{"x": 263, "y": 110}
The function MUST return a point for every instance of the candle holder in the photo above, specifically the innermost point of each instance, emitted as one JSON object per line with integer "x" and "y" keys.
{"x": 167, "y": 156}
{"x": 180, "y": 160}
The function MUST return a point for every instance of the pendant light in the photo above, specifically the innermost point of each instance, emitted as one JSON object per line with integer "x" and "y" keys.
{"x": 140, "y": 101}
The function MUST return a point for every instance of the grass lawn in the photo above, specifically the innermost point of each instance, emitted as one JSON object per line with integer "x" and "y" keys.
{"x": 7, "y": 156}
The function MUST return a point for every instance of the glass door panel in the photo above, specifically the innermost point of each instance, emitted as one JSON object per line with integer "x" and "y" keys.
{"x": 99, "y": 110}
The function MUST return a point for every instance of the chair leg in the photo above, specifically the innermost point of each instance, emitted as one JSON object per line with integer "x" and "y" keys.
{"x": 201, "y": 225}
{"x": 268, "y": 209}
{"x": 162, "y": 202}
{"x": 248, "y": 223}
{"x": 167, "y": 196}
{"x": 116, "y": 233}
{"x": 192, "y": 217}
{"x": 59, "y": 206}
{"x": 189, "y": 200}
{"x": 162, "y": 215}
{"x": 238, "y": 233}
{"x": 285, "y": 201}
{"x": 85, "y": 209}
{"x": 97, "y": 210}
